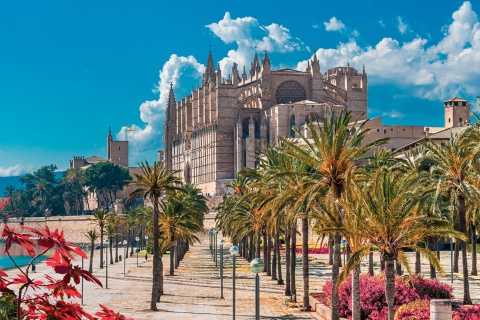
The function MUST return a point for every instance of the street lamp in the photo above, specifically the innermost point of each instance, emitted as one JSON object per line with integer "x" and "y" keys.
{"x": 138, "y": 249}
{"x": 106, "y": 241}
{"x": 146, "y": 238}
{"x": 210, "y": 233}
{"x": 125, "y": 253}
{"x": 233, "y": 253}
{"x": 221, "y": 242}
{"x": 215, "y": 246}
{"x": 257, "y": 265}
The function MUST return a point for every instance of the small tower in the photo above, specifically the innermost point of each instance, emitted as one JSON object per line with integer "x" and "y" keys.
{"x": 457, "y": 112}
{"x": 117, "y": 151}
{"x": 209, "y": 75}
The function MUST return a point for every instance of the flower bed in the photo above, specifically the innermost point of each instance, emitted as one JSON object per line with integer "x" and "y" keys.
{"x": 372, "y": 294}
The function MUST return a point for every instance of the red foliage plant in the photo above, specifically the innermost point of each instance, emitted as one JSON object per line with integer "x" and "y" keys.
{"x": 3, "y": 203}
{"x": 47, "y": 300}
{"x": 467, "y": 313}
{"x": 415, "y": 310}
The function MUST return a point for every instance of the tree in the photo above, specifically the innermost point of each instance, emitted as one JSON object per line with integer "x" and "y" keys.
{"x": 154, "y": 183}
{"x": 336, "y": 146}
{"x": 391, "y": 224}
{"x": 106, "y": 179}
{"x": 101, "y": 218}
{"x": 92, "y": 236}
{"x": 73, "y": 181}
{"x": 452, "y": 169}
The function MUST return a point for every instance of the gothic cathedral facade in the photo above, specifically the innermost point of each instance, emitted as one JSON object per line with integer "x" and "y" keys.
{"x": 219, "y": 128}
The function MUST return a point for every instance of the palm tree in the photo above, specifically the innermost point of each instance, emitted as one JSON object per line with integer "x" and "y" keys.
{"x": 92, "y": 237}
{"x": 76, "y": 177}
{"x": 390, "y": 223}
{"x": 115, "y": 222}
{"x": 101, "y": 218}
{"x": 336, "y": 146}
{"x": 111, "y": 232}
{"x": 154, "y": 183}
{"x": 452, "y": 169}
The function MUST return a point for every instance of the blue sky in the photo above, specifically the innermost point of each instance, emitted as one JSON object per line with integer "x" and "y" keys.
{"x": 71, "y": 69}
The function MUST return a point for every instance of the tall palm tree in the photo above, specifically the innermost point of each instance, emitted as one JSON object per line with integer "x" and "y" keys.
{"x": 92, "y": 237}
{"x": 101, "y": 218}
{"x": 336, "y": 146}
{"x": 115, "y": 222}
{"x": 152, "y": 184}
{"x": 452, "y": 169}
{"x": 111, "y": 232}
{"x": 391, "y": 224}
{"x": 76, "y": 177}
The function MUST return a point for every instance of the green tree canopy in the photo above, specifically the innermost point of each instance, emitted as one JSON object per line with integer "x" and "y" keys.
{"x": 106, "y": 179}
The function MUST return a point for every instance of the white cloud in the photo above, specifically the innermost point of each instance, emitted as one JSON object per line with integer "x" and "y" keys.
{"x": 394, "y": 114}
{"x": 402, "y": 26}
{"x": 334, "y": 25}
{"x": 15, "y": 170}
{"x": 433, "y": 70}
{"x": 178, "y": 70}
{"x": 250, "y": 35}
{"x": 381, "y": 23}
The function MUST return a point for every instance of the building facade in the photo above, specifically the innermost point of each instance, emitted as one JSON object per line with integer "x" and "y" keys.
{"x": 218, "y": 129}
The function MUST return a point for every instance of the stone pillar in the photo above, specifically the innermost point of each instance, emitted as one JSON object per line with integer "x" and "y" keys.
{"x": 440, "y": 309}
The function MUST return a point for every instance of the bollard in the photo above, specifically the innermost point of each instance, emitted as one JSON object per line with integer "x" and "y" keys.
{"x": 440, "y": 309}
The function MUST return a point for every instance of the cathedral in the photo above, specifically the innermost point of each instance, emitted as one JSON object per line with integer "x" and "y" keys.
{"x": 217, "y": 130}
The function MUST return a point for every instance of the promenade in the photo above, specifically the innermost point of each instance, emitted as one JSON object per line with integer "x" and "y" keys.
{"x": 194, "y": 291}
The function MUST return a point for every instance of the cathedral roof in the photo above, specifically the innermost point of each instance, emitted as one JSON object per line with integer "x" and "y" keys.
{"x": 95, "y": 159}
{"x": 289, "y": 70}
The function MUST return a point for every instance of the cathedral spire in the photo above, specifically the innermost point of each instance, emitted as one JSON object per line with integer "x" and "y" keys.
{"x": 209, "y": 75}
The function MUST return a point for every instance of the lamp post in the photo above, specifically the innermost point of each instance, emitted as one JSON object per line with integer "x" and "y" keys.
{"x": 233, "y": 253}
{"x": 256, "y": 265}
{"x": 210, "y": 238}
{"x": 221, "y": 241}
{"x": 138, "y": 249}
{"x": 125, "y": 254}
{"x": 146, "y": 238}
{"x": 215, "y": 246}
{"x": 106, "y": 242}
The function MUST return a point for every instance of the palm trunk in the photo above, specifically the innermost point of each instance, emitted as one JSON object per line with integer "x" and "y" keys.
{"x": 178, "y": 252}
{"x": 474, "y": 249}
{"x": 156, "y": 262}
{"x": 431, "y": 246}
{"x": 279, "y": 259}
{"x": 288, "y": 261}
{"x": 337, "y": 256}
{"x": 172, "y": 256}
{"x": 128, "y": 244}
{"x": 116, "y": 245}
{"x": 456, "y": 256}
{"x": 251, "y": 253}
{"x": 101, "y": 247}
{"x": 132, "y": 239}
{"x": 370, "y": 263}
{"x": 90, "y": 268}
{"x": 390, "y": 286}
{"x": 160, "y": 278}
{"x": 306, "y": 283}
{"x": 257, "y": 245}
{"x": 111, "y": 250}
{"x": 463, "y": 228}
{"x": 382, "y": 263}
{"x": 265, "y": 253}
{"x": 330, "y": 250}
{"x": 356, "y": 310}
{"x": 293, "y": 262}
{"x": 437, "y": 247}
{"x": 273, "y": 265}
{"x": 269, "y": 255}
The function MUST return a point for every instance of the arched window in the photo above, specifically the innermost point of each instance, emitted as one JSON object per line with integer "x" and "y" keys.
{"x": 292, "y": 126}
{"x": 245, "y": 128}
{"x": 290, "y": 91}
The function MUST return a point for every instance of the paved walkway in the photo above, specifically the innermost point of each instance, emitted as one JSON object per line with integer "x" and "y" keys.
{"x": 194, "y": 291}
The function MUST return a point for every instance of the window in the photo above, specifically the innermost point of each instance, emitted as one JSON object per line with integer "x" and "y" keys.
{"x": 455, "y": 103}
{"x": 449, "y": 120}
{"x": 464, "y": 104}
{"x": 461, "y": 120}
{"x": 292, "y": 126}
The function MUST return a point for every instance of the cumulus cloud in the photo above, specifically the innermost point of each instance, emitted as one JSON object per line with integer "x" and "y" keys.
{"x": 434, "y": 70}
{"x": 178, "y": 70}
{"x": 13, "y": 171}
{"x": 334, "y": 25}
{"x": 402, "y": 26}
{"x": 250, "y": 35}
